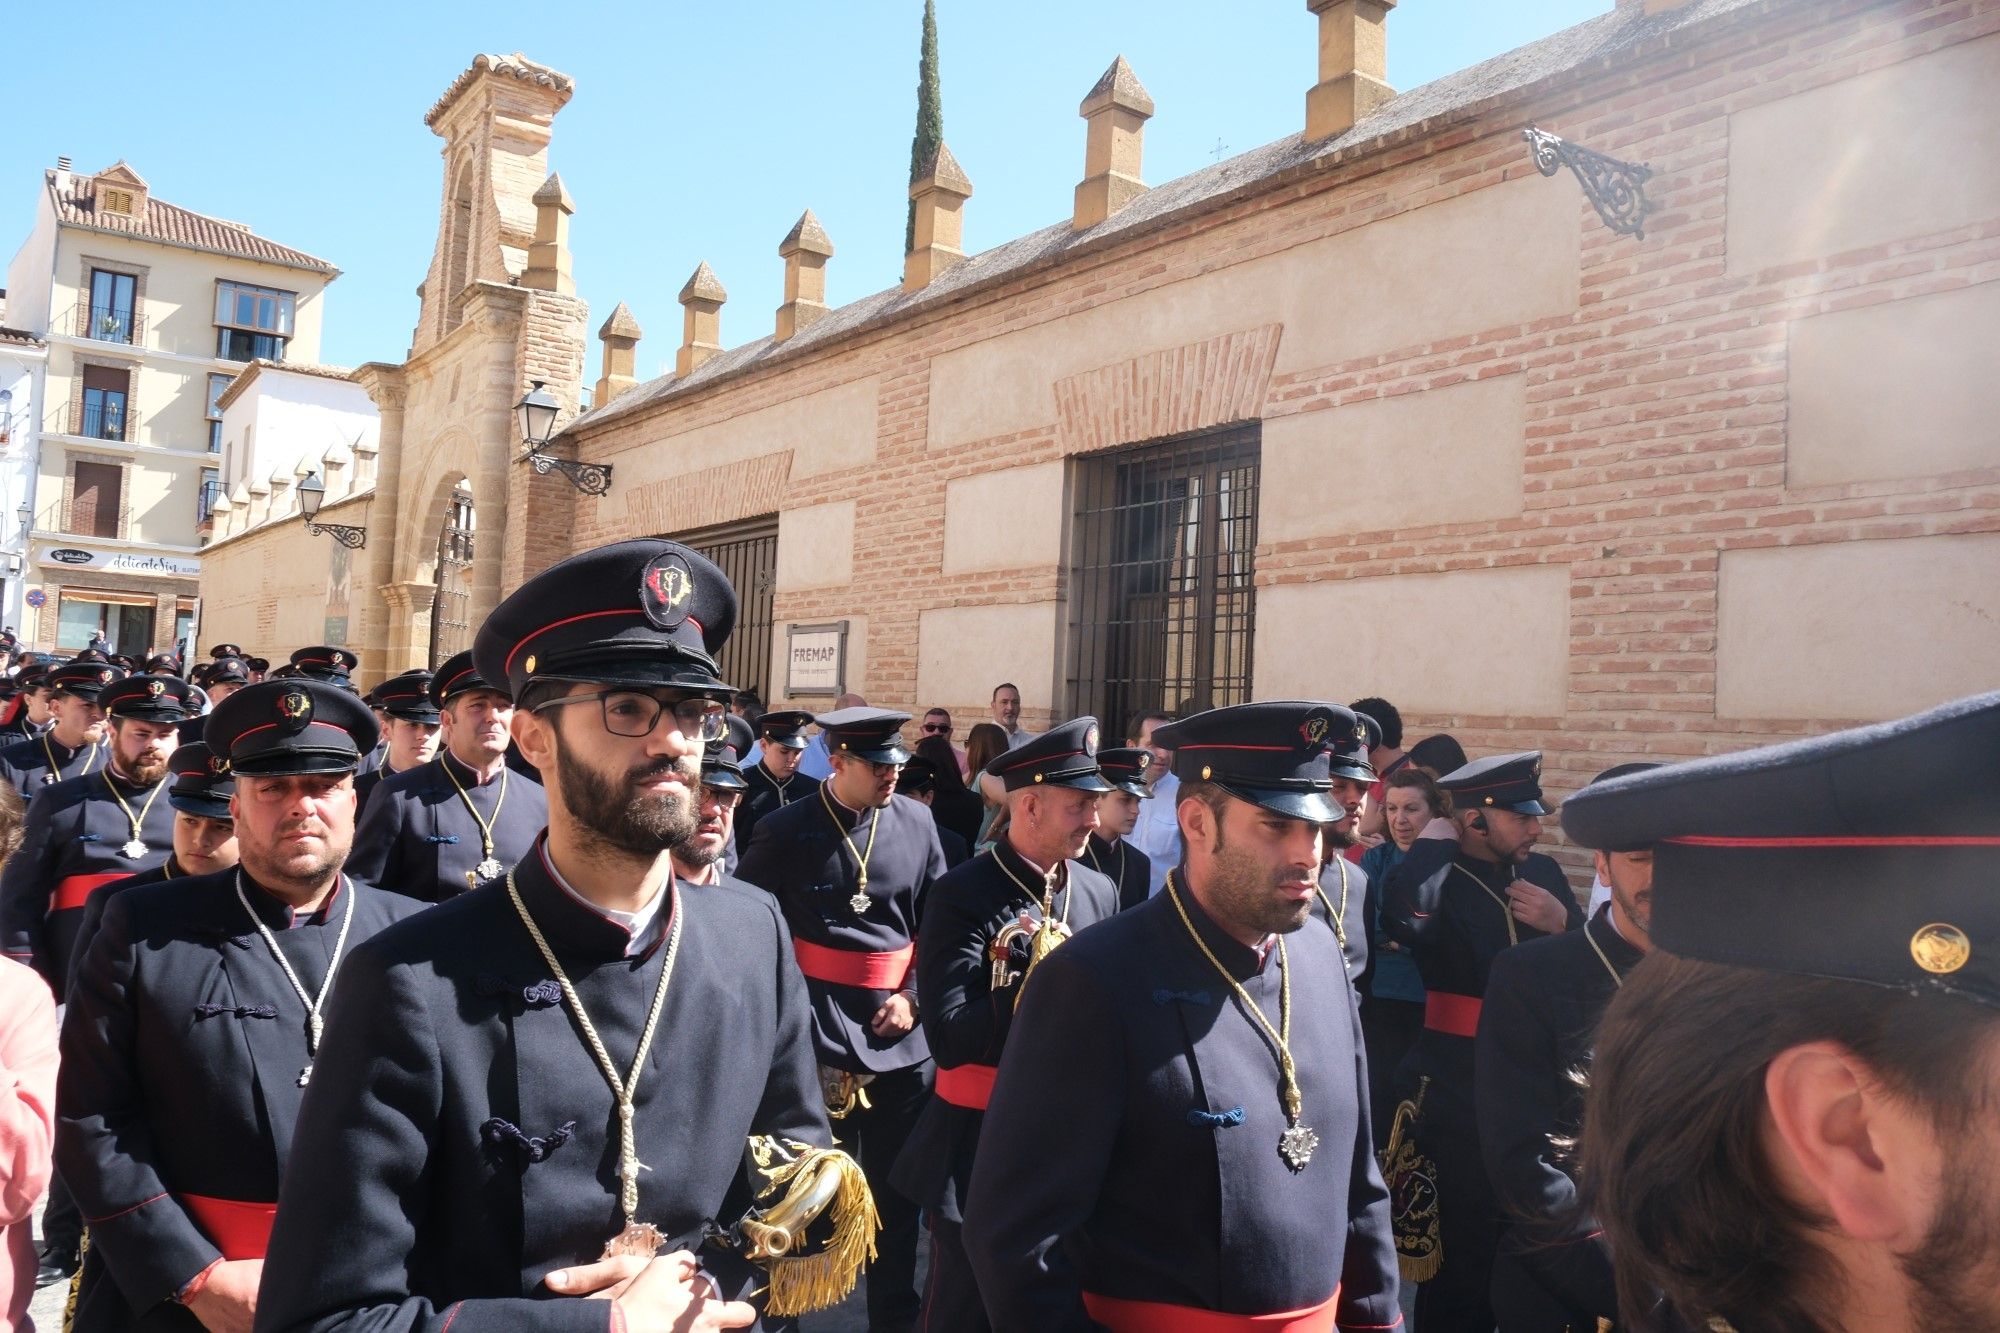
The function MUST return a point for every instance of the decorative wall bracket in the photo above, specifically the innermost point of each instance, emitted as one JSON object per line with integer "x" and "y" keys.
{"x": 352, "y": 538}
{"x": 1616, "y": 189}
{"x": 590, "y": 478}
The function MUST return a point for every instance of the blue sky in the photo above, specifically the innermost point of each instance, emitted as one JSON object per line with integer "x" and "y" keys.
{"x": 698, "y": 131}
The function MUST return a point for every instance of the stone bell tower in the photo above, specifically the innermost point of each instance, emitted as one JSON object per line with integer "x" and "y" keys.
{"x": 495, "y": 119}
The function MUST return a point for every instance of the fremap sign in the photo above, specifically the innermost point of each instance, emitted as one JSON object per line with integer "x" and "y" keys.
{"x": 816, "y": 659}
{"x": 123, "y": 562}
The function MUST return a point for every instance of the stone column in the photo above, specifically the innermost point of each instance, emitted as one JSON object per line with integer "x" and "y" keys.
{"x": 1116, "y": 110}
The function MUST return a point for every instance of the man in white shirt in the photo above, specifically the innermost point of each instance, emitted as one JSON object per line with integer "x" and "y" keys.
{"x": 1158, "y": 832}
{"x": 1007, "y": 713}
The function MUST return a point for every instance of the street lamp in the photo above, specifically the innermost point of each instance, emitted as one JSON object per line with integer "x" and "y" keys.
{"x": 538, "y": 409}
{"x": 312, "y": 494}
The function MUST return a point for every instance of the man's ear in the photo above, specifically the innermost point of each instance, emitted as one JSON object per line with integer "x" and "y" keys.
{"x": 1847, "y": 1148}
{"x": 1197, "y": 822}
{"x": 535, "y": 734}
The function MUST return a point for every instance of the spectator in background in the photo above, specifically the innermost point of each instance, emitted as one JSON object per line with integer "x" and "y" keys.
{"x": 748, "y": 706}
{"x": 817, "y": 762}
{"x": 953, "y": 807}
{"x": 937, "y": 722}
{"x": 1158, "y": 831}
{"x": 983, "y": 744}
{"x": 1007, "y": 714}
{"x": 1438, "y": 755}
{"x": 1392, "y": 1007}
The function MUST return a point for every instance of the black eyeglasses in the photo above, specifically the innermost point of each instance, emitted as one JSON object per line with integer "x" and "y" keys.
{"x": 937, "y": 728}
{"x": 726, "y": 797}
{"x": 635, "y": 713}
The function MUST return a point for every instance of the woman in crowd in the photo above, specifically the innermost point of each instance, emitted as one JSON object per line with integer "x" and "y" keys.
{"x": 953, "y": 806}
{"x": 1392, "y": 1012}
{"x": 983, "y": 744}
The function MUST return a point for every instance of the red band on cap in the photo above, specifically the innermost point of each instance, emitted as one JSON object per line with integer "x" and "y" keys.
{"x": 1066, "y": 754}
{"x": 267, "y": 726}
{"x": 568, "y": 620}
{"x": 1274, "y": 749}
{"x": 1896, "y": 841}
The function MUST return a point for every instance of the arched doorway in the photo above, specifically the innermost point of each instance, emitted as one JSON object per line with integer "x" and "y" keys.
{"x": 451, "y": 604}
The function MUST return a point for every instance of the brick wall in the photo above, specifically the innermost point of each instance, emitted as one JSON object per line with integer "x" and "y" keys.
{"x": 1653, "y": 445}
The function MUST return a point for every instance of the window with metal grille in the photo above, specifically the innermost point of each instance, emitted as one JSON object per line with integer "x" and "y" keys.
{"x": 451, "y": 603}
{"x": 748, "y": 555}
{"x": 1162, "y": 562}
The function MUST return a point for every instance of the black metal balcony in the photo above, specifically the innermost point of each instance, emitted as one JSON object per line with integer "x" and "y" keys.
{"x": 204, "y": 512}
{"x": 105, "y": 323}
{"x": 103, "y": 421}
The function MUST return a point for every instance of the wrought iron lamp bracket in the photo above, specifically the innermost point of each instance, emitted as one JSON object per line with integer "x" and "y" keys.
{"x": 1616, "y": 189}
{"x": 590, "y": 478}
{"x": 352, "y": 538}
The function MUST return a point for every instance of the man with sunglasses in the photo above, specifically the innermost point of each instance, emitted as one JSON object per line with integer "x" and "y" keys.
{"x": 446, "y": 827}
{"x": 541, "y": 1091}
{"x": 937, "y": 722}
{"x": 849, "y": 869}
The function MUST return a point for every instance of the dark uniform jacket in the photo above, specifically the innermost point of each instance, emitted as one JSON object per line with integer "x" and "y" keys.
{"x": 366, "y": 780}
{"x": 92, "y": 919}
{"x": 17, "y": 728}
{"x": 461, "y": 1141}
{"x": 34, "y": 763}
{"x": 1131, "y": 1148}
{"x": 1128, "y": 868}
{"x": 798, "y": 856}
{"x": 764, "y": 795}
{"x": 181, "y": 1055}
{"x": 418, "y": 838}
{"x": 1434, "y": 905}
{"x": 1343, "y": 887}
{"x": 1538, "y": 1026}
{"x": 72, "y": 843}
{"x": 964, "y": 1018}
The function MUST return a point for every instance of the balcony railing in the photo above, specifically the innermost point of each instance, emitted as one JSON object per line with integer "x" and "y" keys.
{"x": 204, "y": 506}
{"x": 103, "y": 323}
{"x": 102, "y": 421}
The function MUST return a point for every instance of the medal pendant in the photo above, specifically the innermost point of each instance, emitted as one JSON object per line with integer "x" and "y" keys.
{"x": 859, "y": 902}
{"x": 134, "y": 849}
{"x": 488, "y": 869}
{"x": 1296, "y": 1146}
{"x": 640, "y": 1238}
{"x": 305, "y": 1075}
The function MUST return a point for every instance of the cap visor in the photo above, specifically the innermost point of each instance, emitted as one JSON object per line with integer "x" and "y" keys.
{"x": 1313, "y": 806}
{"x": 207, "y": 807}
{"x": 294, "y": 764}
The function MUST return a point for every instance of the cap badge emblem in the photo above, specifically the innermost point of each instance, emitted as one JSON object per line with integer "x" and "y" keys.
{"x": 217, "y": 764}
{"x": 665, "y": 591}
{"x": 1940, "y": 948}
{"x": 156, "y": 688}
{"x": 1090, "y": 740}
{"x": 1314, "y": 729}
{"x": 104, "y": 677}
{"x": 295, "y": 705}
{"x": 529, "y": 665}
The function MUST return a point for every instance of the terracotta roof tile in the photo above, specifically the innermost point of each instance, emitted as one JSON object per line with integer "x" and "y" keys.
{"x": 170, "y": 224}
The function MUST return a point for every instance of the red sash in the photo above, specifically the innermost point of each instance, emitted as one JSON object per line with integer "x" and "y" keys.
{"x": 1457, "y": 1015}
{"x": 239, "y": 1230}
{"x": 970, "y": 1086}
{"x": 849, "y": 967}
{"x": 1122, "y": 1316}
{"x": 74, "y": 890}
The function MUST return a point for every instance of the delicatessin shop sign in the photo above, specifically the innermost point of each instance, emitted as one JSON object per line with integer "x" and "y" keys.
{"x": 122, "y": 562}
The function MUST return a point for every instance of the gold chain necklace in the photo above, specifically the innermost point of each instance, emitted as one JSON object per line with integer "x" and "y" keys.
{"x": 1296, "y": 1144}
{"x": 859, "y": 902}
{"x": 1617, "y": 981}
{"x": 137, "y": 847}
{"x": 87, "y": 750}
{"x": 1334, "y": 914}
{"x": 1048, "y": 899}
{"x": 641, "y": 1238}
{"x": 1506, "y": 911}
{"x": 489, "y": 868}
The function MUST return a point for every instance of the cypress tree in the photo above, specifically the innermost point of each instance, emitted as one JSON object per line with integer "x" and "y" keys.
{"x": 930, "y": 117}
